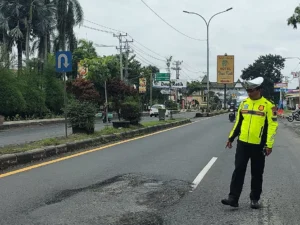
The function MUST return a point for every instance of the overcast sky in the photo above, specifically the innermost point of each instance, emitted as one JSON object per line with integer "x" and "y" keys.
{"x": 251, "y": 29}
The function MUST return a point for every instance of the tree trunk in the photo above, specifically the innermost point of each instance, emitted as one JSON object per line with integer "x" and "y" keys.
{"x": 46, "y": 48}
{"x": 20, "y": 51}
{"x": 27, "y": 41}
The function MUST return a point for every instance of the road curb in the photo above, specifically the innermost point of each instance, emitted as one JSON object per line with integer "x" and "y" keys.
{"x": 9, "y": 160}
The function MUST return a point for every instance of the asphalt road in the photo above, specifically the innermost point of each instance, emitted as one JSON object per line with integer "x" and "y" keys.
{"x": 148, "y": 181}
{"x": 34, "y": 133}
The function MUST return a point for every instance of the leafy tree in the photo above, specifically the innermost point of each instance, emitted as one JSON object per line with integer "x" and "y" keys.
{"x": 295, "y": 18}
{"x": 84, "y": 90}
{"x": 117, "y": 91}
{"x": 84, "y": 50}
{"x": 194, "y": 86}
{"x": 269, "y": 67}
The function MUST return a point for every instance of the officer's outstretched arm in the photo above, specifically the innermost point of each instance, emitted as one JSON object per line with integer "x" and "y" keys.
{"x": 272, "y": 125}
{"x": 237, "y": 125}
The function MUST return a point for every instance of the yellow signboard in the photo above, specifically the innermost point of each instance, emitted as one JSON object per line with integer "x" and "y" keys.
{"x": 225, "y": 69}
{"x": 142, "y": 85}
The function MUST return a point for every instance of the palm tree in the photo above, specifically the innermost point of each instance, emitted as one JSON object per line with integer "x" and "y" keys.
{"x": 6, "y": 42}
{"x": 69, "y": 14}
{"x": 43, "y": 25}
{"x": 12, "y": 14}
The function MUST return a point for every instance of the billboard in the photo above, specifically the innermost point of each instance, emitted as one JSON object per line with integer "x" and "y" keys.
{"x": 142, "y": 85}
{"x": 225, "y": 69}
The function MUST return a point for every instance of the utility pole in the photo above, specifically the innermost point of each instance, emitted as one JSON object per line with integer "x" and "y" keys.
{"x": 127, "y": 48}
{"x": 151, "y": 86}
{"x": 120, "y": 37}
{"x": 177, "y": 69}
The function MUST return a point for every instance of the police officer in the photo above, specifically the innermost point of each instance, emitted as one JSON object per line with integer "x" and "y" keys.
{"x": 256, "y": 125}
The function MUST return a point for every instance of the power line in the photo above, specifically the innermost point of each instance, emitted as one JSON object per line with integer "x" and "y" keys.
{"x": 146, "y": 47}
{"x": 92, "y": 28}
{"x": 128, "y": 36}
{"x": 190, "y": 70}
{"x": 104, "y": 26}
{"x": 141, "y": 51}
{"x": 146, "y": 60}
{"x": 170, "y": 24}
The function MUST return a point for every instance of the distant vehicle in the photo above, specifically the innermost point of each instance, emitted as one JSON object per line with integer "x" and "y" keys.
{"x": 154, "y": 110}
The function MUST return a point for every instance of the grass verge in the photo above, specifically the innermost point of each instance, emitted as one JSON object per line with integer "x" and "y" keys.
{"x": 74, "y": 137}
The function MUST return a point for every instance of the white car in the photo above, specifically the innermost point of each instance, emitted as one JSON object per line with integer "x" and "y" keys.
{"x": 154, "y": 110}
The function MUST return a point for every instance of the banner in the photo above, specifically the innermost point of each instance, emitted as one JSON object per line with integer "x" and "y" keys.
{"x": 82, "y": 71}
{"x": 280, "y": 85}
{"x": 142, "y": 85}
{"x": 175, "y": 84}
{"x": 225, "y": 69}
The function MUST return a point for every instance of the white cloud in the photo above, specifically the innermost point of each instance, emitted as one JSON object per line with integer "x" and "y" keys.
{"x": 252, "y": 28}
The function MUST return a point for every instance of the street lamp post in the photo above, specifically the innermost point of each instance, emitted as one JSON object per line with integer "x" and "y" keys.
{"x": 298, "y": 77}
{"x": 207, "y": 32}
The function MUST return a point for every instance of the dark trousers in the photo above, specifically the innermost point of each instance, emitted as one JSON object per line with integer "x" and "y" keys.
{"x": 244, "y": 152}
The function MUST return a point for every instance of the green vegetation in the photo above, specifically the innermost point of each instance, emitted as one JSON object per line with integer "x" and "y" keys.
{"x": 74, "y": 137}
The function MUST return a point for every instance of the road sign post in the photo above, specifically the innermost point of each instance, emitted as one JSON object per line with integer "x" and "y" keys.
{"x": 63, "y": 64}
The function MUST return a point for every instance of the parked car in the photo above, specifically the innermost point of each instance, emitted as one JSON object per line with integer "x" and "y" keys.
{"x": 154, "y": 110}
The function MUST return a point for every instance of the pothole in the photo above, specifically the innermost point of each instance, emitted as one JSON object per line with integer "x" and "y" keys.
{"x": 130, "y": 199}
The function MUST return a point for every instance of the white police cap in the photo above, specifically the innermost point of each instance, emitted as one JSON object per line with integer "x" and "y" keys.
{"x": 251, "y": 84}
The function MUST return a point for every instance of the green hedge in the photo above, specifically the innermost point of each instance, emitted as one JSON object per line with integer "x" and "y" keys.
{"x": 30, "y": 94}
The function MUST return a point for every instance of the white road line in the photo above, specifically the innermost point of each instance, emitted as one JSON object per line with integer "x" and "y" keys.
{"x": 203, "y": 172}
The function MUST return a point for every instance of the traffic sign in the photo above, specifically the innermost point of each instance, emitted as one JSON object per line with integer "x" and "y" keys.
{"x": 281, "y": 89}
{"x": 162, "y": 77}
{"x": 63, "y": 61}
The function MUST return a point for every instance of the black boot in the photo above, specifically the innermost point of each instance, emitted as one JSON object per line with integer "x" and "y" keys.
{"x": 231, "y": 202}
{"x": 254, "y": 204}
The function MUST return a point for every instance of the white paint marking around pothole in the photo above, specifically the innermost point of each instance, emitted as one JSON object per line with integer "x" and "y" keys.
{"x": 203, "y": 172}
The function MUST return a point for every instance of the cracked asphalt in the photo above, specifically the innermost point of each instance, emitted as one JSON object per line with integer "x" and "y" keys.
{"x": 149, "y": 182}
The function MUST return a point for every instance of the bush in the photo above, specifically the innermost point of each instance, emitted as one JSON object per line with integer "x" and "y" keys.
{"x": 54, "y": 90}
{"x": 34, "y": 95}
{"x": 130, "y": 111}
{"x": 170, "y": 105}
{"x": 81, "y": 116}
{"x": 11, "y": 99}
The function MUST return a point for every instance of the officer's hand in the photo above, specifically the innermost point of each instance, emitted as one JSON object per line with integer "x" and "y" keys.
{"x": 228, "y": 144}
{"x": 268, "y": 151}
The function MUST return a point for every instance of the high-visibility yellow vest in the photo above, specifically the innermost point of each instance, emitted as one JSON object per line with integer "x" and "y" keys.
{"x": 256, "y": 122}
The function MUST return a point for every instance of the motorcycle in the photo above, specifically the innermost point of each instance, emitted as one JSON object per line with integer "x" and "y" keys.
{"x": 295, "y": 116}
{"x": 231, "y": 115}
